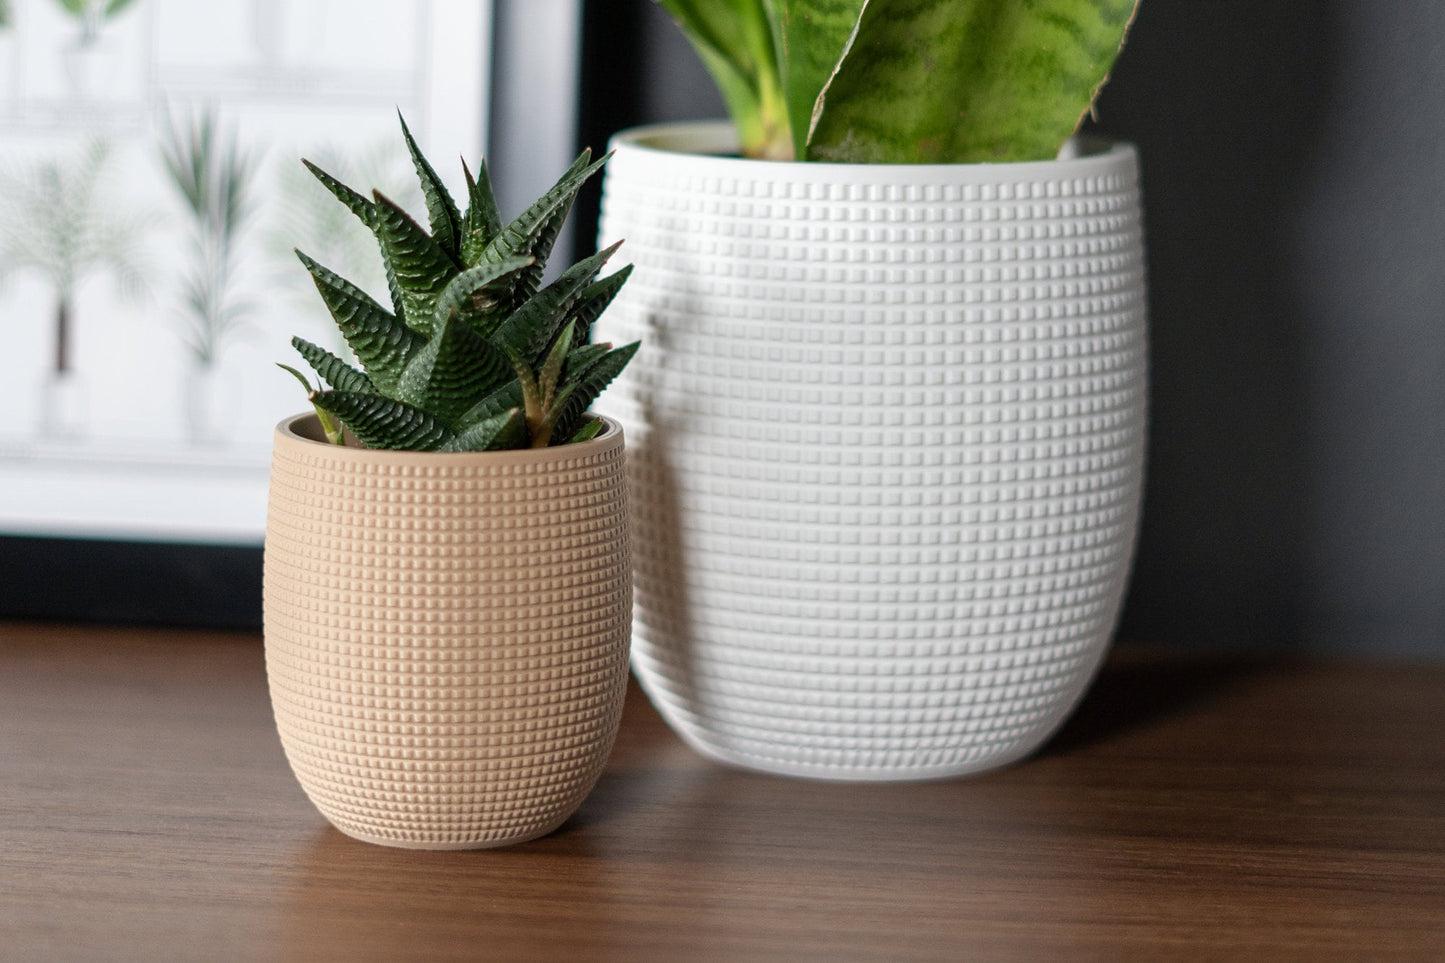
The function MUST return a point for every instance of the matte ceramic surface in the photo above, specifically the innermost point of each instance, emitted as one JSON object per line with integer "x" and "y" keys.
{"x": 446, "y": 634}
{"x": 886, "y": 444}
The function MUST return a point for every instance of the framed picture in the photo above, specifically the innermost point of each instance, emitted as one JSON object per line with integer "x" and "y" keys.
{"x": 151, "y": 196}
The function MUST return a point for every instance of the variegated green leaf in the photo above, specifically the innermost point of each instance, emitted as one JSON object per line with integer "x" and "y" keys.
{"x": 482, "y": 296}
{"x": 446, "y": 220}
{"x": 533, "y": 327}
{"x": 423, "y": 269}
{"x": 380, "y": 341}
{"x": 735, "y": 40}
{"x": 813, "y": 38}
{"x": 452, "y": 371}
{"x": 381, "y": 422}
{"x": 944, "y": 81}
{"x": 590, "y": 429}
{"x": 335, "y": 372}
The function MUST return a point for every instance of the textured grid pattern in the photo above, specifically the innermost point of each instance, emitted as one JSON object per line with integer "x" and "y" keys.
{"x": 886, "y": 446}
{"x": 446, "y": 635}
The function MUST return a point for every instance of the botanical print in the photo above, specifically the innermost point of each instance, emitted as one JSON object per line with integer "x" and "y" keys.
{"x": 151, "y": 193}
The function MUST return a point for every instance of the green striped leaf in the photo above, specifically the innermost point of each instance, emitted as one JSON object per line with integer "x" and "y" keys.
{"x": 452, "y": 371}
{"x": 482, "y": 221}
{"x": 381, "y": 422}
{"x": 482, "y": 296}
{"x": 423, "y": 268}
{"x": 335, "y": 372}
{"x": 535, "y": 325}
{"x": 595, "y": 298}
{"x": 535, "y": 230}
{"x": 813, "y": 38}
{"x": 380, "y": 341}
{"x": 507, "y": 429}
{"x": 946, "y": 81}
{"x": 446, "y": 220}
{"x": 588, "y": 385}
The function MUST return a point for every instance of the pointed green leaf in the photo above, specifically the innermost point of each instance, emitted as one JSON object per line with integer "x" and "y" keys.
{"x": 423, "y": 269}
{"x": 506, "y": 397}
{"x": 589, "y": 384}
{"x": 535, "y": 230}
{"x": 446, "y": 221}
{"x": 531, "y": 329}
{"x": 595, "y": 298}
{"x": 483, "y": 222}
{"x": 507, "y": 429}
{"x": 1019, "y": 77}
{"x": 735, "y": 41}
{"x": 335, "y": 372}
{"x": 590, "y": 429}
{"x": 813, "y": 38}
{"x": 481, "y": 296}
{"x": 381, "y": 422}
{"x": 361, "y": 206}
{"x": 452, "y": 371}
{"x": 381, "y": 342}
{"x": 365, "y": 210}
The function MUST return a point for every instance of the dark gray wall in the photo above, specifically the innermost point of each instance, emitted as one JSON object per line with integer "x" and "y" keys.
{"x": 1293, "y": 175}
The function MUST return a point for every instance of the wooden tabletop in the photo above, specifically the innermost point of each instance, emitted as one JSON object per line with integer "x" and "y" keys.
{"x": 1195, "y": 808}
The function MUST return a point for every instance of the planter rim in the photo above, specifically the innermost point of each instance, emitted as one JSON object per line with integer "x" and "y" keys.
{"x": 304, "y": 430}
{"x": 714, "y": 142}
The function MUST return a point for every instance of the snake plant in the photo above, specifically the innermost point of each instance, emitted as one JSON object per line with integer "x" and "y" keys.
{"x": 906, "y": 81}
{"x": 475, "y": 353}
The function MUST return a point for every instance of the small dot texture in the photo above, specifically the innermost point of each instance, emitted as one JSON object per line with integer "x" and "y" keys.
{"x": 886, "y": 446}
{"x": 446, "y": 635}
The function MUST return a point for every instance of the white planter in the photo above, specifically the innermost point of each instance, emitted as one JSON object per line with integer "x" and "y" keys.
{"x": 886, "y": 445}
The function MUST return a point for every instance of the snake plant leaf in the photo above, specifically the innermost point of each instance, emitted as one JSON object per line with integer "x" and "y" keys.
{"x": 535, "y": 230}
{"x": 506, "y": 429}
{"x": 423, "y": 268}
{"x": 1020, "y": 77}
{"x": 532, "y": 328}
{"x": 736, "y": 41}
{"x": 482, "y": 222}
{"x": 595, "y": 298}
{"x": 331, "y": 369}
{"x": 381, "y": 342}
{"x": 451, "y": 371}
{"x": 481, "y": 296}
{"x": 813, "y": 37}
{"x": 382, "y": 422}
{"x": 442, "y": 213}
{"x": 589, "y": 384}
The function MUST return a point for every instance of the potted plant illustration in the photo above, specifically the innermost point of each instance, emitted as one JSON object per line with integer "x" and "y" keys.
{"x": 887, "y": 448}
{"x": 212, "y": 177}
{"x": 447, "y": 577}
{"x": 61, "y": 223}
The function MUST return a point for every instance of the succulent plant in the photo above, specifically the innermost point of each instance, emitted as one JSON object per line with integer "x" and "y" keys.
{"x": 906, "y": 81}
{"x": 475, "y": 353}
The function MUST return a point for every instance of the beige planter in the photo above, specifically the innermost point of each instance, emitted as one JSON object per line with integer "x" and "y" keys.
{"x": 446, "y": 634}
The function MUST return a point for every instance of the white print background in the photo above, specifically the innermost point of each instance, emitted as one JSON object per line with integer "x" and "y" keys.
{"x": 155, "y": 445}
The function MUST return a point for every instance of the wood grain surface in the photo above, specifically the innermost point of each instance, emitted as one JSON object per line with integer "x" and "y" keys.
{"x": 1196, "y": 807}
